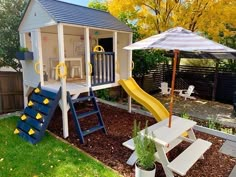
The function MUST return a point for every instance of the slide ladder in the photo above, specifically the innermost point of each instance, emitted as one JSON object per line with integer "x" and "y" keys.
{"x": 77, "y": 116}
{"x": 148, "y": 101}
{"x": 37, "y": 115}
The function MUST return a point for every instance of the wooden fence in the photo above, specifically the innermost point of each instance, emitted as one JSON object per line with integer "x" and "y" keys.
{"x": 11, "y": 92}
{"x": 201, "y": 77}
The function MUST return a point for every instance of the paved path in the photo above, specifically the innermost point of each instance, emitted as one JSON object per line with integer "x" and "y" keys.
{"x": 233, "y": 172}
{"x": 229, "y": 148}
{"x": 202, "y": 109}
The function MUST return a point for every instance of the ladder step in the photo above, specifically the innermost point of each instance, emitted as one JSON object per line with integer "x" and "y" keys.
{"x": 186, "y": 159}
{"x": 82, "y": 99}
{"x": 34, "y": 123}
{"x": 40, "y": 99}
{"x": 93, "y": 129}
{"x": 41, "y": 108}
{"x": 26, "y": 128}
{"x": 82, "y": 115}
{"x": 27, "y": 137}
{"x": 33, "y": 113}
{"x": 47, "y": 94}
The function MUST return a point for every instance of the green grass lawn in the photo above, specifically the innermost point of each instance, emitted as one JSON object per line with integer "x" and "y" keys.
{"x": 50, "y": 157}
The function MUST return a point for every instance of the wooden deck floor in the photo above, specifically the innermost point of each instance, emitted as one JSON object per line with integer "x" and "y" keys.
{"x": 74, "y": 86}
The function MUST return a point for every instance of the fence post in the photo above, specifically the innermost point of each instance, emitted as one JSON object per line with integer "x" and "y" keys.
{"x": 215, "y": 80}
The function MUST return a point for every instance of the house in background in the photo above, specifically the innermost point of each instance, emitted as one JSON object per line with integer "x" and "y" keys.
{"x": 63, "y": 35}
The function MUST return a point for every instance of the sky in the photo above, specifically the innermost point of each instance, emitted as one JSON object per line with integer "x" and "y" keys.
{"x": 79, "y": 2}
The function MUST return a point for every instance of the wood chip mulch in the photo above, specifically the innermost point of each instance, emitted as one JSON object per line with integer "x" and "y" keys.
{"x": 119, "y": 124}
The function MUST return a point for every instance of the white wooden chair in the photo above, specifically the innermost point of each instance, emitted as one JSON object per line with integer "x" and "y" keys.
{"x": 53, "y": 64}
{"x": 164, "y": 88}
{"x": 187, "y": 93}
{"x": 76, "y": 68}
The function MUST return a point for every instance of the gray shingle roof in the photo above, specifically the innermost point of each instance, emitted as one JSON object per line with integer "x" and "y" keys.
{"x": 79, "y": 15}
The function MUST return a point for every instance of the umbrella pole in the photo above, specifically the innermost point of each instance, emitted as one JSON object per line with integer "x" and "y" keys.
{"x": 176, "y": 52}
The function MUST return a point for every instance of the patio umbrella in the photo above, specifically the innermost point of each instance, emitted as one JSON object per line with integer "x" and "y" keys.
{"x": 179, "y": 39}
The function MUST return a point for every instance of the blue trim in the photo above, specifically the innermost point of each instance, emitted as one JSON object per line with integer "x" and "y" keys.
{"x": 103, "y": 68}
{"x": 24, "y": 55}
{"x": 45, "y": 110}
{"x": 81, "y": 133}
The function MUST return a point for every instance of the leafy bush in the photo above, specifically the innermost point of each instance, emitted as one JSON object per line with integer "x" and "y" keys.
{"x": 228, "y": 65}
{"x": 23, "y": 49}
{"x": 10, "y": 17}
{"x": 185, "y": 115}
{"x": 145, "y": 61}
{"x": 213, "y": 124}
{"x": 144, "y": 147}
{"x": 105, "y": 95}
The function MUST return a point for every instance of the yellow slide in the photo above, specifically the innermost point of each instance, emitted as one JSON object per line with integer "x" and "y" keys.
{"x": 149, "y": 102}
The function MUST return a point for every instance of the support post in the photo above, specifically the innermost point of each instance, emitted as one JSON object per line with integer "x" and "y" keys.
{"x": 115, "y": 54}
{"x": 176, "y": 54}
{"x": 63, "y": 104}
{"x": 130, "y": 70}
{"x": 87, "y": 57}
{"x": 23, "y": 44}
{"x": 37, "y": 49}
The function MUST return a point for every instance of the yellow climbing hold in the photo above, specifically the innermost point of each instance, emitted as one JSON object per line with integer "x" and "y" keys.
{"x": 16, "y": 131}
{"x": 37, "y": 90}
{"x": 23, "y": 117}
{"x": 31, "y": 132}
{"x": 30, "y": 103}
{"x": 38, "y": 116}
{"x": 45, "y": 101}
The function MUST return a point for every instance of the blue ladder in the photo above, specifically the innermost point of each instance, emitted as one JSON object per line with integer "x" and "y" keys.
{"x": 76, "y": 116}
{"x": 37, "y": 115}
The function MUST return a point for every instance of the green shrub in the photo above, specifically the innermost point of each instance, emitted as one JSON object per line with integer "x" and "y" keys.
{"x": 103, "y": 94}
{"x": 144, "y": 147}
{"x": 185, "y": 115}
{"x": 211, "y": 124}
{"x": 23, "y": 49}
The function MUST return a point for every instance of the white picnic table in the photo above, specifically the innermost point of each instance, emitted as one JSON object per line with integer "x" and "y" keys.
{"x": 166, "y": 138}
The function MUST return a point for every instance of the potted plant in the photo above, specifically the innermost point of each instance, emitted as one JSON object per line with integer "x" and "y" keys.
{"x": 24, "y": 54}
{"x": 145, "y": 150}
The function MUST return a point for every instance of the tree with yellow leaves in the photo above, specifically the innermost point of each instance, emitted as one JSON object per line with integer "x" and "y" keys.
{"x": 151, "y": 16}
{"x": 214, "y": 18}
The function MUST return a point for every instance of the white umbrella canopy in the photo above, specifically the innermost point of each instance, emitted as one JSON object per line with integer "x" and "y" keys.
{"x": 179, "y": 39}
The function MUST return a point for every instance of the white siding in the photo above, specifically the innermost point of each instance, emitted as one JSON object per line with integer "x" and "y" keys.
{"x": 74, "y": 48}
{"x": 31, "y": 78}
{"x": 35, "y": 17}
{"x": 123, "y": 55}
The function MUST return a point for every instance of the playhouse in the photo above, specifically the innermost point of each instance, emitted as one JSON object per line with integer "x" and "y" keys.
{"x": 74, "y": 48}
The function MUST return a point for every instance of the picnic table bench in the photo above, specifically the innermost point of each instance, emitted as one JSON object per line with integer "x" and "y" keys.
{"x": 166, "y": 138}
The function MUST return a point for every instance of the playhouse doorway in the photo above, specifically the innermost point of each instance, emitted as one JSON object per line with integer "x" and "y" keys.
{"x": 106, "y": 43}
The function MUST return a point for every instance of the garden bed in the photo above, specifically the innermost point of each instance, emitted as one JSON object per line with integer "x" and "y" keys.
{"x": 119, "y": 123}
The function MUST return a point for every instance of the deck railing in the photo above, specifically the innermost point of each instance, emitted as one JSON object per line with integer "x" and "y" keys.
{"x": 103, "y": 68}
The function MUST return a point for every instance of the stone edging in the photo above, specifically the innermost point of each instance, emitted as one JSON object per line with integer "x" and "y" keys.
{"x": 215, "y": 133}
{"x": 7, "y": 115}
{"x": 196, "y": 127}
